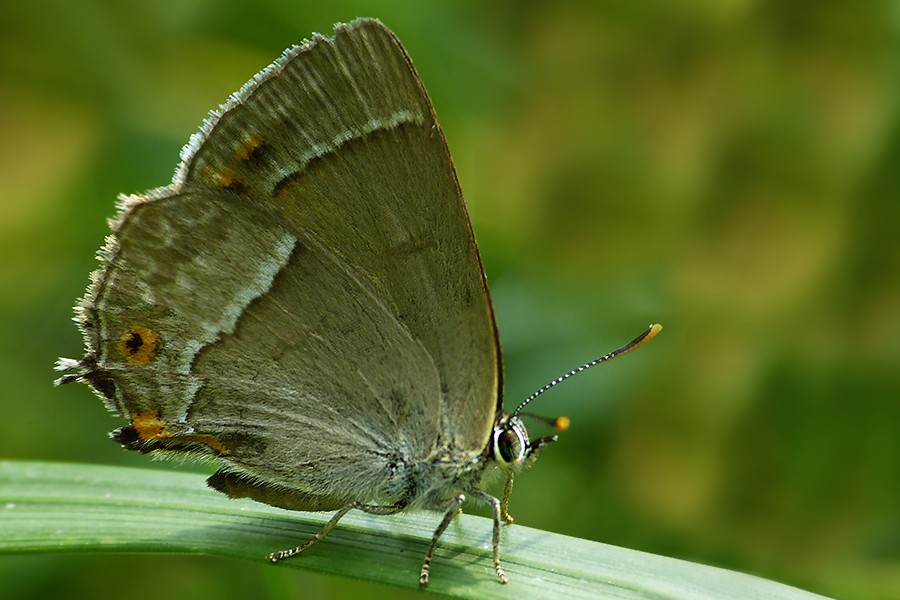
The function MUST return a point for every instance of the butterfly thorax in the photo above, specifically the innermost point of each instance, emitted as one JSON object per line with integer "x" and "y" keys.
{"x": 436, "y": 480}
{"x": 432, "y": 483}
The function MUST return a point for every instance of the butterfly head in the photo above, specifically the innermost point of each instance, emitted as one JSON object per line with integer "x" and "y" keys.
{"x": 510, "y": 445}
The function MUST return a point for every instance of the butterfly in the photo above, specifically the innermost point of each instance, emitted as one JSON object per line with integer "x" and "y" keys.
{"x": 306, "y": 304}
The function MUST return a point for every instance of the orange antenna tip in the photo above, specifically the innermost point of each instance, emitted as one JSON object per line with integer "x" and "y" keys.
{"x": 562, "y": 423}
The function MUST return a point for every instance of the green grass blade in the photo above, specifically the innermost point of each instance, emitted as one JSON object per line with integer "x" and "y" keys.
{"x": 50, "y": 507}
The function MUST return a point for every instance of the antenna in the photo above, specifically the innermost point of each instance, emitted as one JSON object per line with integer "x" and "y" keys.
{"x": 637, "y": 342}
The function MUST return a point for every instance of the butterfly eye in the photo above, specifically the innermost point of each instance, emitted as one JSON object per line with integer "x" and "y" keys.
{"x": 510, "y": 442}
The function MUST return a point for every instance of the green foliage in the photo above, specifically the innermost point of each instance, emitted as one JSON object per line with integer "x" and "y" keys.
{"x": 86, "y": 508}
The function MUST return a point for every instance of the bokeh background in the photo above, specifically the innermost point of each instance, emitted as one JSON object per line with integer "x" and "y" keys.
{"x": 726, "y": 167}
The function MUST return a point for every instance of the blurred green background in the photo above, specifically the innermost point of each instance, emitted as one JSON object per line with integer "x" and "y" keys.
{"x": 726, "y": 167}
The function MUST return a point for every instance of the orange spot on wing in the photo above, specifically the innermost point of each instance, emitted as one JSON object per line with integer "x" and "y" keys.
{"x": 139, "y": 345}
{"x": 228, "y": 178}
{"x": 151, "y": 428}
{"x": 246, "y": 150}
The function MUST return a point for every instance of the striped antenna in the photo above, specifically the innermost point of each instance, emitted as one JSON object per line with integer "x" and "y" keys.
{"x": 637, "y": 342}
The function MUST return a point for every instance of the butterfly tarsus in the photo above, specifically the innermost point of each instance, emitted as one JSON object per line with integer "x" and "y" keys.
{"x": 454, "y": 510}
{"x": 375, "y": 509}
{"x": 499, "y": 511}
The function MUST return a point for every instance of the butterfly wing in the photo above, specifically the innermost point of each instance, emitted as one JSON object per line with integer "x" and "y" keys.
{"x": 306, "y": 300}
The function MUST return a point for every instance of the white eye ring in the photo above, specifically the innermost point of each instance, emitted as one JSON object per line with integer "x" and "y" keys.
{"x": 520, "y": 446}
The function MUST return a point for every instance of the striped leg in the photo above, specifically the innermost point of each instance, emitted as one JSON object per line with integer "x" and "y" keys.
{"x": 454, "y": 510}
{"x": 504, "y": 503}
{"x": 498, "y": 516}
{"x": 369, "y": 508}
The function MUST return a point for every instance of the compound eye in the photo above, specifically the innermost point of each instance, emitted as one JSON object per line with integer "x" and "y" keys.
{"x": 509, "y": 444}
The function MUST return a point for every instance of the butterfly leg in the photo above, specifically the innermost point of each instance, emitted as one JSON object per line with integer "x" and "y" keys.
{"x": 531, "y": 453}
{"x": 454, "y": 510}
{"x": 534, "y": 448}
{"x": 504, "y": 503}
{"x": 374, "y": 509}
{"x": 498, "y": 516}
